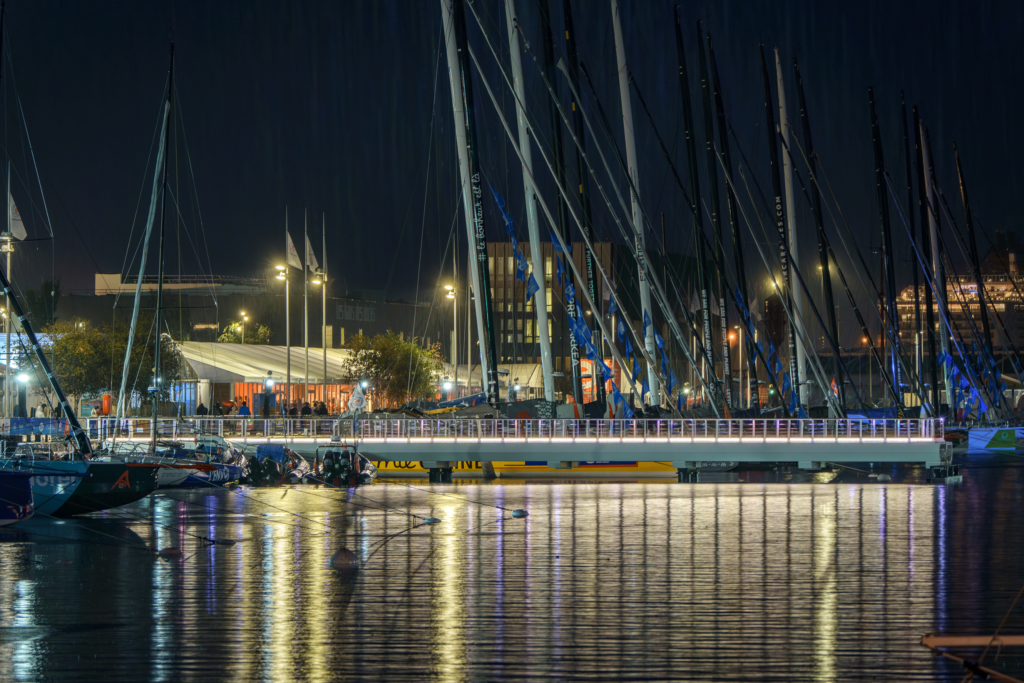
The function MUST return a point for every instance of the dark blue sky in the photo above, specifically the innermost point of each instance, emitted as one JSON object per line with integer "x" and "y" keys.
{"x": 328, "y": 105}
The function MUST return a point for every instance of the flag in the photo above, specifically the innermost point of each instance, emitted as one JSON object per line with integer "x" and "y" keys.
{"x": 786, "y": 384}
{"x": 792, "y": 402}
{"x": 835, "y": 387}
{"x": 629, "y": 346}
{"x": 800, "y": 413}
{"x": 664, "y": 363}
{"x": 679, "y": 402}
{"x": 570, "y": 291}
{"x": 357, "y": 401}
{"x": 621, "y": 331}
{"x": 771, "y": 349}
{"x": 556, "y": 245}
{"x": 310, "y": 258}
{"x": 636, "y": 369}
{"x": 672, "y": 380}
{"x": 521, "y": 265}
{"x": 559, "y": 270}
{"x": 644, "y": 390}
{"x": 531, "y": 287}
{"x": 612, "y": 308}
{"x": 501, "y": 207}
{"x": 17, "y": 225}
{"x": 647, "y": 323}
{"x": 293, "y": 256}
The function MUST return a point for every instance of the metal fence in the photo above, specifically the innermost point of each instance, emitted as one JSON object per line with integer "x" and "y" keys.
{"x": 719, "y": 430}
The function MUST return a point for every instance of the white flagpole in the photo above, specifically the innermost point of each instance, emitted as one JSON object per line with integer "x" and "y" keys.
{"x": 287, "y": 317}
{"x": 323, "y": 294}
{"x": 305, "y": 305}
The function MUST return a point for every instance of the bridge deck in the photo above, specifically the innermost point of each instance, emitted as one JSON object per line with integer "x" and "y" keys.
{"x": 440, "y": 442}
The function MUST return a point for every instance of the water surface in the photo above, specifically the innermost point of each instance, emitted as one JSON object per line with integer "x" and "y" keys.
{"x": 603, "y": 581}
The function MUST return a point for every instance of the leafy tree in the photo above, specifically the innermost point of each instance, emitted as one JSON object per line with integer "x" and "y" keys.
{"x": 399, "y": 371}
{"x": 88, "y": 360}
{"x": 254, "y": 334}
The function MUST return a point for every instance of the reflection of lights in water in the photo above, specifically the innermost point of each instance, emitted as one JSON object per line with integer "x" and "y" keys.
{"x": 26, "y": 651}
{"x": 826, "y": 618}
{"x": 447, "y": 601}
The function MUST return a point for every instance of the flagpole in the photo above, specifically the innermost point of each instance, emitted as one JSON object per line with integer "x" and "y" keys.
{"x": 323, "y": 292}
{"x": 7, "y": 317}
{"x": 305, "y": 304}
{"x": 287, "y": 320}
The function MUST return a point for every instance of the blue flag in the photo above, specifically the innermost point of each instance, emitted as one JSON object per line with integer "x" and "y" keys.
{"x": 636, "y": 369}
{"x": 612, "y": 308}
{"x": 629, "y": 347}
{"x": 646, "y": 389}
{"x": 771, "y": 349}
{"x": 558, "y": 247}
{"x": 679, "y": 402}
{"x": 785, "y": 382}
{"x": 664, "y": 363}
{"x": 501, "y": 207}
{"x": 559, "y": 270}
{"x": 531, "y": 287}
{"x": 800, "y": 413}
{"x": 621, "y": 331}
{"x": 647, "y": 323}
{"x": 658, "y": 340}
{"x": 672, "y": 381}
{"x": 792, "y": 402}
{"x": 570, "y": 291}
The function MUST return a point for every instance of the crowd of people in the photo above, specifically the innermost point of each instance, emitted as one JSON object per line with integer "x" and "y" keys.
{"x": 318, "y": 409}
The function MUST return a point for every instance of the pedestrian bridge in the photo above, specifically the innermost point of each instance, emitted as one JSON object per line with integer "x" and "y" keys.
{"x": 562, "y": 444}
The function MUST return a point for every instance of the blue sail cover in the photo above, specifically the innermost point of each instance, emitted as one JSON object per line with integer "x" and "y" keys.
{"x": 464, "y": 402}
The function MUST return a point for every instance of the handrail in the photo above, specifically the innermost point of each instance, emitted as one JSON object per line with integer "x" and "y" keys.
{"x": 721, "y": 430}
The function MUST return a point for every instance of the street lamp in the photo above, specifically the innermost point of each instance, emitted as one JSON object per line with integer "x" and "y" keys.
{"x": 244, "y": 318}
{"x": 321, "y": 279}
{"x": 282, "y": 274}
{"x": 451, "y": 295}
{"x": 739, "y": 328}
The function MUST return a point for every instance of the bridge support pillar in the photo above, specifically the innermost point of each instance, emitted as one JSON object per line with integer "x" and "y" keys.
{"x": 438, "y": 472}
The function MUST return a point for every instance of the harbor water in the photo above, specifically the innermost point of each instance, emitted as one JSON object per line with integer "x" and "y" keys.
{"x": 814, "y": 578}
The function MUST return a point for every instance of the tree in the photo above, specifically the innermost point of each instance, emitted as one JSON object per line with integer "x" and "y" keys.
{"x": 398, "y": 371}
{"x": 254, "y": 334}
{"x": 88, "y": 360}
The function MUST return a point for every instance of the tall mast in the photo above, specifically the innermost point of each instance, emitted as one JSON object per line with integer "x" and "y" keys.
{"x": 780, "y": 216}
{"x": 323, "y": 291}
{"x": 305, "y": 305}
{"x": 889, "y": 272}
{"x": 737, "y": 245}
{"x": 698, "y": 222}
{"x": 793, "y": 291}
{"x": 638, "y": 217}
{"x": 972, "y": 241}
{"x": 939, "y": 277}
{"x": 584, "y": 177}
{"x": 160, "y": 256}
{"x": 926, "y": 251}
{"x": 716, "y": 221}
{"x": 536, "y": 252}
{"x": 472, "y": 189}
{"x": 913, "y": 239}
{"x": 558, "y": 159}
{"x": 826, "y": 277}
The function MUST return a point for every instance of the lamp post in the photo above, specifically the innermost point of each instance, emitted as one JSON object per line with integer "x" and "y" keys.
{"x": 321, "y": 279}
{"x": 244, "y": 318}
{"x": 739, "y": 328}
{"x": 455, "y": 332}
{"x": 282, "y": 274}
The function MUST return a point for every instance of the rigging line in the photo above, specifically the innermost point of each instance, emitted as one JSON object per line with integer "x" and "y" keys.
{"x": 195, "y": 190}
{"x": 423, "y": 223}
{"x": 797, "y": 329}
{"x": 995, "y": 635}
{"x": 547, "y": 213}
{"x": 31, "y": 150}
{"x": 849, "y": 252}
{"x": 944, "y": 316}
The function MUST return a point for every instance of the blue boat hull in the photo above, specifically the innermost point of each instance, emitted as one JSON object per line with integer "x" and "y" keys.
{"x": 224, "y": 474}
{"x": 15, "y": 496}
{"x": 53, "y": 481}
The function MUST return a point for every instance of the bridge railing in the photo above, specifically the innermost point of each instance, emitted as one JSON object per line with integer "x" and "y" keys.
{"x": 323, "y": 429}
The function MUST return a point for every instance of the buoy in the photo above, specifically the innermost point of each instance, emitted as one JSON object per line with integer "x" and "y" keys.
{"x": 170, "y": 552}
{"x": 884, "y": 477}
{"x": 519, "y": 514}
{"x": 432, "y": 520}
{"x": 344, "y": 560}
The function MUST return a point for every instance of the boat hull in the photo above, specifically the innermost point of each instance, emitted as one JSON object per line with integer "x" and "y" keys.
{"x": 15, "y": 496}
{"x": 110, "y": 485}
{"x": 53, "y": 481}
{"x": 221, "y": 475}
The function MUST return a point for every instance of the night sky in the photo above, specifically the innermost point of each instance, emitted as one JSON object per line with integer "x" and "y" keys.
{"x": 331, "y": 106}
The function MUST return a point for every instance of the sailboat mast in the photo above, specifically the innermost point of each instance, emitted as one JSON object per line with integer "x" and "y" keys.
{"x": 780, "y": 216}
{"x": 638, "y": 217}
{"x": 939, "y": 274}
{"x": 926, "y": 250}
{"x": 913, "y": 238}
{"x": 716, "y": 220}
{"x": 698, "y": 222}
{"x": 737, "y": 245}
{"x": 972, "y": 241}
{"x": 562, "y": 211}
{"x": 323, "y": 329}
{"x": 889, "y": 272}
{"x": 584, "y": 177}
{"x": 465, "y": 132}
{"x": 823, "y": 261}
{"x": 160, "y": 258}
{"x": 305, "y": 306}
{"x": 793, "y": 291}
{"x": 536, "y": 250}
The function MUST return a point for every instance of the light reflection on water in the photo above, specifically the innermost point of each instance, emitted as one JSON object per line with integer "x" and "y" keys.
{"x": 601, "y": 581}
